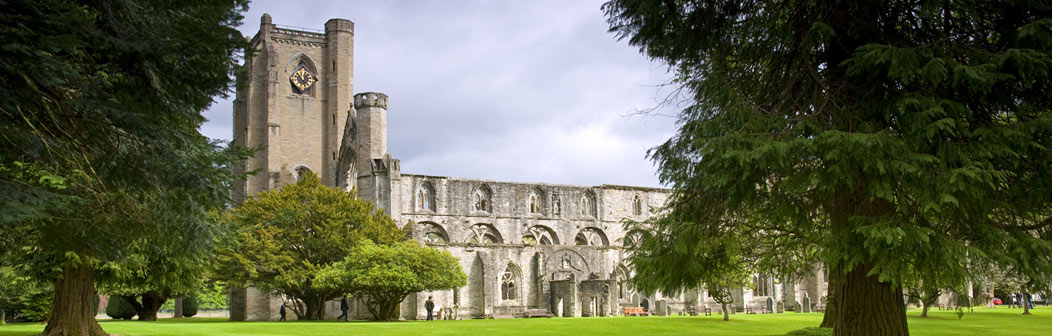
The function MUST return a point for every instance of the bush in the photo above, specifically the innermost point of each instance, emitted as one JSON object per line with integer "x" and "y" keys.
{"x": 34, "y": 305}
{"x": 119, "y": 309}
{"x": 811, "y": 331}
{"x": 190, "y": 305}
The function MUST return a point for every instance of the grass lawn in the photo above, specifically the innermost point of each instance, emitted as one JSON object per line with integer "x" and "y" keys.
{"x": 998, "y": 321}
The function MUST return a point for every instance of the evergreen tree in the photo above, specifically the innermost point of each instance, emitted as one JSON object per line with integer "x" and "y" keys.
{"x": 101, "y": 161}
{"x": 880, "y": 138}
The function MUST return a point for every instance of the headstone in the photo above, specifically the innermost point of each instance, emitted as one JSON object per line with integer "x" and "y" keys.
{"x": 806, "y": 305}
{"x": 780, "y": 307}
{"x": 770, "y": 304}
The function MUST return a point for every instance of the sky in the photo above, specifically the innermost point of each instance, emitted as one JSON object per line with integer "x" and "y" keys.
{"x": 518, "y": 91}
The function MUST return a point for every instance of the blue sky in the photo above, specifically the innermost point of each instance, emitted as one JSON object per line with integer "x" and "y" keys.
{"x": 525, "y": 91}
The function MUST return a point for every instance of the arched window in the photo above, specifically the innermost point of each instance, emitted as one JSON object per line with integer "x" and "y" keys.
{"x": 484, "y": 234}
{"x": 540, "y": 235}
{"x": 621, "y": 275}
{"x": 536, "y": 202}
{"x": 482, "y": 199}
{"x": 434, "y": 233}
{"x": 588, "y": 205}
{"x": 426, "y": 197}
{"x": 509, "y": 283}
{"x": 637, "y": 206}
{"x": 591, "y": 237}
{"x": 632, "y": 238}
{"x": 300, "y": 172}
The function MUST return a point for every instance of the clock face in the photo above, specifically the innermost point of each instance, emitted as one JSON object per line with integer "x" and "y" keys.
{"x": 302, "y": 79}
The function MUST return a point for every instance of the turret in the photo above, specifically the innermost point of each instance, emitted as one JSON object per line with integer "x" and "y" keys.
{"x": 371, "y": 134}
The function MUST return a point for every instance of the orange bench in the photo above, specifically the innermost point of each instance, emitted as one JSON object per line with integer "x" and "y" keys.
{"x": 629, "y": 311}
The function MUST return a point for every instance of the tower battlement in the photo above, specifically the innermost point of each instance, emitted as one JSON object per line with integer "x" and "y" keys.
{"x": 370, "y": 99}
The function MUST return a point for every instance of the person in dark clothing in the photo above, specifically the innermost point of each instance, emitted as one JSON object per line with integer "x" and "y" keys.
{"x": 282, "y": 312}
{"x": 343, "y": 307}
{"x": 429, "y": 305}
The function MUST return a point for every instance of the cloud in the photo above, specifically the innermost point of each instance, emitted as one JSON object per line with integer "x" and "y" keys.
{"x": 515, "y": 91}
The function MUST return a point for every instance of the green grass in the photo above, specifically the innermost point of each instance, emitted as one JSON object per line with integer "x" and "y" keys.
{"x": 999, "y": 321}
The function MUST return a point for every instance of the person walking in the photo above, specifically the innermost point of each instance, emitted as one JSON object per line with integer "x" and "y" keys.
{"x": 1011, "y": 300}
{"x": 282, "y": 312}
{"x": 430, "y": 306}
{"x": 343, "y": 307}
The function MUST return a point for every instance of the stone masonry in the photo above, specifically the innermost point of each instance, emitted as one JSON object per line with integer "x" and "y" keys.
{"x": 560, "y": 248}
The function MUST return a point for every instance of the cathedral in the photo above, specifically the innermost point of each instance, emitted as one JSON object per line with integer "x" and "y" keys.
{"x": 525, "y": 247}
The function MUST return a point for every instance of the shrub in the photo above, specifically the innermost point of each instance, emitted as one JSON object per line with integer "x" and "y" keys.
{"x": 119, "y": 309}
{"x": 190, "y": 305}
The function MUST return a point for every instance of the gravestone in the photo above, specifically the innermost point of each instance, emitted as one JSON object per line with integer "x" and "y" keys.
{"x": 780, "y": 307}
{"x": 770, "y": 304}
{"x": 806, "y": 305}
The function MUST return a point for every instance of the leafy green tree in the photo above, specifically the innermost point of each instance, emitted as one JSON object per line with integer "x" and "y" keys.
{"x": 288, "y": 235}
{"x": 880, "y": 138}
{"x": 383, "y": 275}
{"x": 99, "y": 116}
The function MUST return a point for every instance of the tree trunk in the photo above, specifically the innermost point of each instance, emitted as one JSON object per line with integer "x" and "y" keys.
{"x": 1026, "y": 304}
{"x": 867, "y": 306}
{"x": 3, "y": 317}
{"x": 178, "y": 312}
{"x": 147, "y": 309}
{"x": 72, "y": 313}
{"x": 924, "y": 309}
{"x": 830, "y": 316}
{"x": 315, "y": 306}
{"x": 723, "y": 306}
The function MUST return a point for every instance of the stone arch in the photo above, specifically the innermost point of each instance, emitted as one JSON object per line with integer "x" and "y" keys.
{"x": 477, "y": 287}
{"x": 535, "y": 201}
{"x": 632, "y": 238}
{"x": 298, "y": 170}
{"x": 589, "y": 206}
{"x": 433, "y": 233}
{"x": 540, "y": 235}
{"x": 510, "y": 283}
{"x": 302, "y": 60}
{"x": 425, "y": 197}
{"x": 637, "y": 206}
{"x": 567, "y": 264}
{"x": 591, "y": 236}
{"x": 484, "y": 234}
{"x": 482, "y": 198}
{"x": 621, "y": 277}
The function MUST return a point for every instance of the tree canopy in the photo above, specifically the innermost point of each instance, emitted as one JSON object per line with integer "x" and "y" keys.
{"x": 287, "y": 235}
{"x": 383, "y": 276}
{"x": 101, "y": 161}
{"x": 880, "y": 138}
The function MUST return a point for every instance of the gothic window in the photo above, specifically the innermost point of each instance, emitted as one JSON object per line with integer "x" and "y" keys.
{"x": 591, "y": 237}
{"x": 622, "y": 283}
{"x": 539, "y": 235}
{"x": 434, "y": 234}
{"x": 637, "y": 206}
{"x": 426, "y": 197}
{"x": 507, "y": 285}
{"x": 535, "y": 201}
{"x": 588, "y": 205}
{"x": 632, "y": 238}
{"x": 482, "y": 199}
{"x": 556, "y": 204}
{"x": 300, "y": 172}
{"x": 484, "y": 234}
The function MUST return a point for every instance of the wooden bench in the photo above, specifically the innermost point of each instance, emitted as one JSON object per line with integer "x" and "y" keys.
{"x": 756, "y": 308}
{"x": 537, "y": 313}
{"x": 629, "y": 311}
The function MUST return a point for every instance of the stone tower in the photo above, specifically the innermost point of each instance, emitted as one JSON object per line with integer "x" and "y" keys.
{"x": 363, "y": 161}
{"x": 293, "y": 101}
